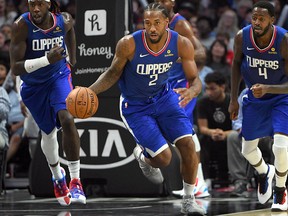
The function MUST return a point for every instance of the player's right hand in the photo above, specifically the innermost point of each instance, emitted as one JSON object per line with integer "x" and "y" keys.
{"x": 233, "y": 109}
{"x": 56, "y": 54}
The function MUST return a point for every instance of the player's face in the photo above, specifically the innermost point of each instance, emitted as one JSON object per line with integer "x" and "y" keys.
{"x": 39, "y": 10}
{"x": 155, "y": 24}
{"x": 261, "y": 21}
{"x": 168, "y": 4}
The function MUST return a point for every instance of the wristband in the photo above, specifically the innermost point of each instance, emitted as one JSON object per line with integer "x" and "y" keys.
{"x": 32, "y": 65}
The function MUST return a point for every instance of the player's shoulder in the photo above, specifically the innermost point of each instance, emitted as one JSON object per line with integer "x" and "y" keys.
{"x": 126, "y": 45}
{"x": 20, "y": 24}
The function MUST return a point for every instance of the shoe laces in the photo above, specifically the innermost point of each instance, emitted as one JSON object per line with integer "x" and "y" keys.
{"x": 76, "y": 187}
{"x": 279, "y": 195}
{"x": 60, "y": 185}
{"x": 263, "y": 183}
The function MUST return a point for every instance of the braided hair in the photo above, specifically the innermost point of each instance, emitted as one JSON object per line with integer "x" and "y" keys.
{"x": 157, "y": 7}
{"x": 55, "y": 7}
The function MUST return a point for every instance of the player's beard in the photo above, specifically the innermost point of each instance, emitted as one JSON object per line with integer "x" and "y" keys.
{"x": 156, "y": 40}
{"x": 263, "y": 33}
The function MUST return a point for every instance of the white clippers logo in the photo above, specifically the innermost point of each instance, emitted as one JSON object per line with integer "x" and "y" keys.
{"x": 95, "y": 22}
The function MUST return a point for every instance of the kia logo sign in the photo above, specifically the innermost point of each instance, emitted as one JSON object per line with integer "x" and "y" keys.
{"x": 105, "y": 143}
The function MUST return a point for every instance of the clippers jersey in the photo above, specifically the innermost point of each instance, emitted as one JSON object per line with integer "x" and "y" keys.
{"x": 176, "y": 71}
{"x": 39, "y": 42}
{"x": 265, "y": 66}
{"x": 146, "y": 75}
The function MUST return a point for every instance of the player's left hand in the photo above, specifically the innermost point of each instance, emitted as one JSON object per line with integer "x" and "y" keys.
{"x": 259, "y": 90}
{"x": 186, "y": 95}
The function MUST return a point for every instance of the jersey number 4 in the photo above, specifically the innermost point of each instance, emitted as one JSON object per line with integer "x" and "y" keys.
{"x": 263, "y": 72}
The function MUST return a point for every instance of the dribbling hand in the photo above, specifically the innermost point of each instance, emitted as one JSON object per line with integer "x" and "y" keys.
{"x": 56, "y": 54}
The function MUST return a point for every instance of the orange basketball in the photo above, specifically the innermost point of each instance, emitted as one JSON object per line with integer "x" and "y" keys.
{"x": 82, "y": 102}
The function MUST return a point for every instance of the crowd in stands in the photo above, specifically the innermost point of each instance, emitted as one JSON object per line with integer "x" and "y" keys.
{"x": 215, "y": 23}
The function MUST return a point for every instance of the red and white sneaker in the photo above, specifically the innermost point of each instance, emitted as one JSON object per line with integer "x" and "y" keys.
{"x": 76, "y": 190}
{"x": 279, "y": 199}
{"x": 202, "y": 190}
{"x": 61, "y": 190}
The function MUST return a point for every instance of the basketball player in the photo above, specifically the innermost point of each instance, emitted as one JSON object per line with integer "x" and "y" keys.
{"x": 37, "y": 54}
{"x": 149, "y": 107}
{"x": 261, "y": 57}
{"x": 178, "y": 80}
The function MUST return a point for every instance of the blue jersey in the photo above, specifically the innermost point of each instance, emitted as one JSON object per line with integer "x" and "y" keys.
{"x": 146, "y": 75}
{"x": 39, "y": 42}
{"x": 176, "y": 77}
{"x": 265, "y": 66}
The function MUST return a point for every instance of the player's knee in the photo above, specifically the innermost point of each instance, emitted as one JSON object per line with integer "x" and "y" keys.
{"x": 164, "y": 158}
{"x": 66, "y": 120}
{"x": 249, "y": 148}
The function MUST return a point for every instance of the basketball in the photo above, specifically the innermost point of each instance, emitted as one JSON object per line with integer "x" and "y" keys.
{"x": 82, "y": 102}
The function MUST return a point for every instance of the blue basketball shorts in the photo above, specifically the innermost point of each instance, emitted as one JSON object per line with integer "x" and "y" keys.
{"x": 45, "y": 100}
{"x": 189, "y": 108}
{"x": 155, "y": 121}
{"x": 264, "y": 117}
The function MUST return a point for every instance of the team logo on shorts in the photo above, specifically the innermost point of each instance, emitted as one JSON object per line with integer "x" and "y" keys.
{"x": 95, "y": 22}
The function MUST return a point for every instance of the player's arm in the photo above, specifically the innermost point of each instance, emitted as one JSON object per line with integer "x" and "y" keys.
{"x": 18, "y": 46}
{"x": 259, "y": 90}
{"x": 124, "y": 51}
{"x": 184, "y": 28}
{"x": 70, "y": 39}
{"x": 186, "y": 53}
{"x": 236, "y": 75}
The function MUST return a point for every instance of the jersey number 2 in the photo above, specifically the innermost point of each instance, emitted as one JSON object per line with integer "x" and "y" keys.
{"x": 154, "y": 78}
{"x": 263, "y": 72}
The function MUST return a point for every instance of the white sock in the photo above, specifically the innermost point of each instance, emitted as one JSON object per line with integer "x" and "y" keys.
{"x": 74, "y": 169}
{"x": 188, "y": 189}
{"x": 56, "y": 171}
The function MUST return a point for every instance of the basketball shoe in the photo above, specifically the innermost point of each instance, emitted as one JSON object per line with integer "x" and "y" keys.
{"x": 190, "y": 207}
{"x": 76, "y": 190}
{"x": 61, "y": 190}
{"x": 200, "y": 190}
{"x": 153, "y": 174}
{"x": 265, "y": 185}
{"x": 279, "y": 199}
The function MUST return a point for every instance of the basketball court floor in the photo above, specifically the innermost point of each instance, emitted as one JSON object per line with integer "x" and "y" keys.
{"x": 20, "y": 202}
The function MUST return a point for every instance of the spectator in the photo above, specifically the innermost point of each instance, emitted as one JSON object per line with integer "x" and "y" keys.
{"x": 216, "y": 59}
{"x": 228, "y": 22}
{"x": 5, "y": 16}
{"x": 205, "y": 28}
{"x": 225, "y": 37}
{"x": 214, "y": 125}
{"x": 4, "y": 110}
{"x": 15, "y": 124}
{"x": 242, "y": 8}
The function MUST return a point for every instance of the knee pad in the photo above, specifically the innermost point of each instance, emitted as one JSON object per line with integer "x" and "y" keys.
{"x": 197, "y": 143}
{"x": 251, "y": 151}
{"x": 280, "y": 151}
{"x": 50, "y": 146}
